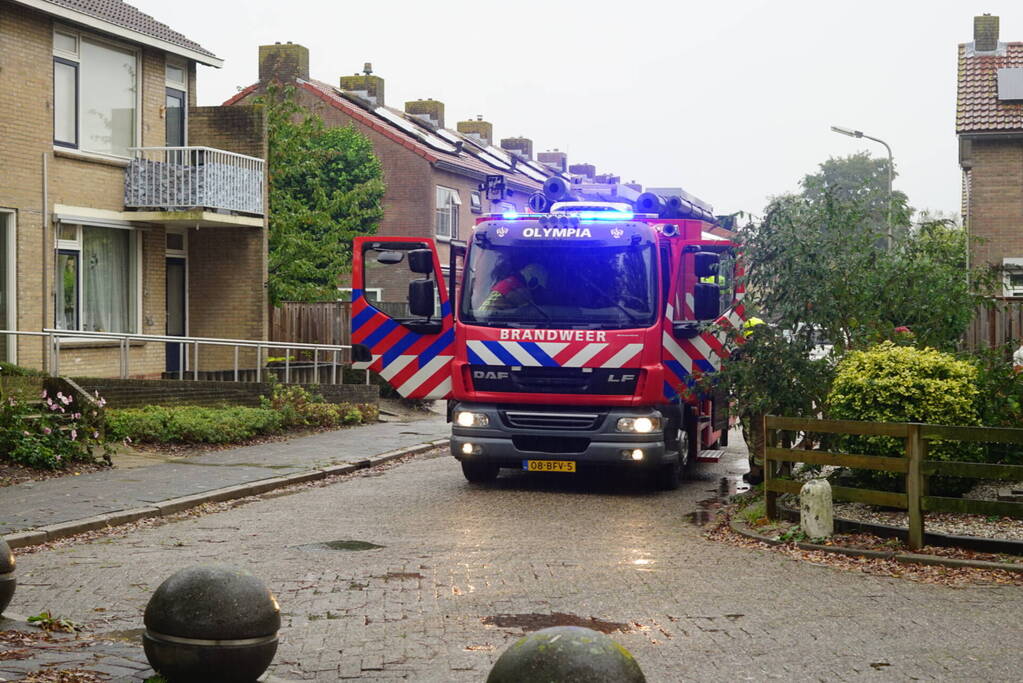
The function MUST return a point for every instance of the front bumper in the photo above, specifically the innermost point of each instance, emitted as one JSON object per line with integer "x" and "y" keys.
{"x": 507, "y": 443}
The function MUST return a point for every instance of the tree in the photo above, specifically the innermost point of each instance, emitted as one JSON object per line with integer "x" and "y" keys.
{"x": 862, "y": 180}
{"x": 325, "y": 188}
{"x": 817, "y": 263}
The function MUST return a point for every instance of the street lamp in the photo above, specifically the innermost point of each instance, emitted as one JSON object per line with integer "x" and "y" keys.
{"x": 891, "y": 165}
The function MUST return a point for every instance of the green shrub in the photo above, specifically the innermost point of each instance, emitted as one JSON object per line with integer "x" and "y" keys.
{"x": 49, "y": 431}
{"x": 12, "y": 370}
{"x": 192, "y": 424}
{"x": 890, "y": 383}
{"x": 999, "y": 399}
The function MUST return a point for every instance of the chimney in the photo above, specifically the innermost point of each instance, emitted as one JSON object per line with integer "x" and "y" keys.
{"x": 520, "y": 145}
{"x": 365, "y": 85}
{"x": 608, "y": 179}
{"x": 585, "y": 170}
{"x": 482, "y": 130}
{"x": 283, "y": 63}
{"x": 985, "y": 33}
{"x": 428, "y": 110}
{"x": 554, "y": 159}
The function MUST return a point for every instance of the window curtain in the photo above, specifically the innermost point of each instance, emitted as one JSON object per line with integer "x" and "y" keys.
{"x": 106, "y": 280}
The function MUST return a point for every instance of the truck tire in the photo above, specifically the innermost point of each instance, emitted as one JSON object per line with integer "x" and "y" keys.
{"x": 479, "y": 472}
{"x": 669, "y": 477}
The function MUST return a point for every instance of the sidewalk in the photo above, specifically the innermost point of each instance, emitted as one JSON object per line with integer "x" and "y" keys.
{"x": 33, "y": 512}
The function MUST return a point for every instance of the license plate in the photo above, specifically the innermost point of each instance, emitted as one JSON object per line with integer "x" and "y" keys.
{"x": 548, "y": 465}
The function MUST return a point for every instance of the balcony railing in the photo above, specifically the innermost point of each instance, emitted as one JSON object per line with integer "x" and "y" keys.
{"x": 175, "y": 178}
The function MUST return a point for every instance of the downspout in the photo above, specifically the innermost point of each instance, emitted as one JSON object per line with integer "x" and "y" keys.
{"x": 45, "y": 251}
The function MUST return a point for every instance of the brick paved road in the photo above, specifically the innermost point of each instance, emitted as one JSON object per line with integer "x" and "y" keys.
{"x": 454, "y": 555}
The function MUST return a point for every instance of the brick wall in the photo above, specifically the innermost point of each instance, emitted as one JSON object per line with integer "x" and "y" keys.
{"x": 138, "y": 393}
{"x": 996, "y": 199}
{"x": 26, "y": 146}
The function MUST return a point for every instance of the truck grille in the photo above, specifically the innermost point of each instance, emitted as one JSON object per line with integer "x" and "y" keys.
{"x": 576, "y": 421}
{"x": 529, "y": 443}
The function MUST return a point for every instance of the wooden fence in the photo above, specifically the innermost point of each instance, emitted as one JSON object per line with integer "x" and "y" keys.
{"x": 997, "y": 325}
{"x": 327, "y": 322}
{"x": 914, "y": 465}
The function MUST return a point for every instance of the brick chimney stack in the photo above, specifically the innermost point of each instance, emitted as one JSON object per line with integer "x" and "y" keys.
{"x": 587, "y": 171}
{"x": 482, "y": 130}
{"x": 429, "y": 110}
{"x": 985, "y": 33}
{"x": 520, "y": 145}
{"x": 555, "y": 159}
{"x": 365, "y": 85}
{"x": 283, "y": 63}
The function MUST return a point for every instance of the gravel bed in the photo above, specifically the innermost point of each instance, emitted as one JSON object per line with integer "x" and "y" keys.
{"x": 980, "y": 526}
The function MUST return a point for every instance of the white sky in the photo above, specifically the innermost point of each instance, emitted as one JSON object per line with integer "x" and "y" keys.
{"x": 732, "y": 101}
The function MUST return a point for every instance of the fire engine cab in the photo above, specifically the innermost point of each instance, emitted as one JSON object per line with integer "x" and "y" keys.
{"x": 562, "y": 340}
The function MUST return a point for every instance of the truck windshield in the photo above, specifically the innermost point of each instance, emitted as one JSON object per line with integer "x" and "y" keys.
{"x": 550, "y": 283}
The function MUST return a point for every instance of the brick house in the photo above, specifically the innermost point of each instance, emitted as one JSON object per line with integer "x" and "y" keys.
{"x": 100, "y": 236}
{"x": 433, "y": 174}
{"x": 989, "y": 123}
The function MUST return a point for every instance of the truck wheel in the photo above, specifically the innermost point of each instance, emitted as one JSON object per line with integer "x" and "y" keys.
{"x": 479, "y": 472}
{"x": 669, "y": 477}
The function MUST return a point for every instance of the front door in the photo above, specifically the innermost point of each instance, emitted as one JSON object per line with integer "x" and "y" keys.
{"x": 177, "y": 323}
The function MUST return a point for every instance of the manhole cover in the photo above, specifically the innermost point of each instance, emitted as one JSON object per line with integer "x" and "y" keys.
{"x": 340, "y": 545}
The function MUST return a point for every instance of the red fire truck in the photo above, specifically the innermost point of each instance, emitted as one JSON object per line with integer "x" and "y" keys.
{"x": 561, "y": 340}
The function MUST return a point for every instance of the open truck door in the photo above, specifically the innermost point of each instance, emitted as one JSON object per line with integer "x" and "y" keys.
{"x": 402, "y": 324}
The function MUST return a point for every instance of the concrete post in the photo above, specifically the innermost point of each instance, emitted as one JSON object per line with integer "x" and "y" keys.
{"x": 816, "y": 517}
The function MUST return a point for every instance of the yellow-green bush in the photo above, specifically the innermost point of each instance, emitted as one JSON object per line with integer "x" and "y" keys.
{"x": 890, "y": 383}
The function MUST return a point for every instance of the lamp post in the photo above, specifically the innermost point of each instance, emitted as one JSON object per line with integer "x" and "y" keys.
{"x": 891, "y": 166}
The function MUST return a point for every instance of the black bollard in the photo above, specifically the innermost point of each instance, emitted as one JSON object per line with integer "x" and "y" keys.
{"x": 567, "y": 654}
{"x": 7, "y": 581}
{"x": 211, "y": 623}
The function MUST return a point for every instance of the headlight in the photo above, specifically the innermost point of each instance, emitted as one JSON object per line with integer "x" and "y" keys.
{"x": 638, "y": 425}
{"x": 467, "y": 419}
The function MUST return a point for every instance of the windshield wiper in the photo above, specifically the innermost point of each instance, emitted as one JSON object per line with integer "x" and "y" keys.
{"x": 601, "y": 293}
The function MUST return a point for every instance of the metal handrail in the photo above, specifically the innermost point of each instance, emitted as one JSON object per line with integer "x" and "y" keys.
{"x": 124, "y": 340}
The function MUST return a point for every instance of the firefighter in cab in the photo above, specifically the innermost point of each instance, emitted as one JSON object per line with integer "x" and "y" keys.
{"x": 517, "y": 289}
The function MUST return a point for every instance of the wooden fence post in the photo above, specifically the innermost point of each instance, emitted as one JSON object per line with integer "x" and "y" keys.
{"x": 770, "y": 497}
{"x": 915, "y": 447}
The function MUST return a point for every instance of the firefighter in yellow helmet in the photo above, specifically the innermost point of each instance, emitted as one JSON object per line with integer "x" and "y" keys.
{"x": 517, "y": 289}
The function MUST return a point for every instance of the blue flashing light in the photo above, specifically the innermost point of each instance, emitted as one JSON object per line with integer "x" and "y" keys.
{"x": 510, "y": 215}
{"x": 605, "y": 215}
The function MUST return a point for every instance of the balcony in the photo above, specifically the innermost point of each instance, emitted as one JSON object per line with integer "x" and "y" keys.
{"x": 183, "y": 178}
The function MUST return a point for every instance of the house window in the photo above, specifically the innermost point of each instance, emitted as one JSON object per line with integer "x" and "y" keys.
{"x": 372, "y": 294}
{"x": 95, "y": 94}
{"x": 448, "y": 203}
{"x": 475, "y": 202}
{"x": 176, "y": 103}
{"x": 97, "y": 279}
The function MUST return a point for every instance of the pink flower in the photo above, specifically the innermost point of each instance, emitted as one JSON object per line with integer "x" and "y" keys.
{"x": 127, "y": 439}
{"x": 53, "y": 406}
{"x": 47, "y": 430}
{"x": 95, "y": 435}
{"x": 77, "y": 416}
{"x": 26, "y": 434}
{"x": 74, "y": 434}
{"x": 44, "y": 394}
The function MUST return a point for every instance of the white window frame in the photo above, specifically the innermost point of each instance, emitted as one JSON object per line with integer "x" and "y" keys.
{"x": 177, "y": 85}
{"x": 454, "y": 204}
{"x": 76, "y": 245}
{"x": 1010, "y": 267}
{"x": 377, "y": 293}
{"x": 76, "y": 58}
{"x": 10, "y": 218}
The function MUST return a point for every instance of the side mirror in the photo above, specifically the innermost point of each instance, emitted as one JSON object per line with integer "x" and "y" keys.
{"x": 707, "y": 301}
{"x": 390, "y": 258}
{"x": 420, "y": 261}
{"x": 420, "y": 297}
{"x": 705, "y": 263}
{"x": 361, "y": 353}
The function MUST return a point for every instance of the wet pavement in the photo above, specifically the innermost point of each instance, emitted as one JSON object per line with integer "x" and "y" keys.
{"x": 462, "y": 571}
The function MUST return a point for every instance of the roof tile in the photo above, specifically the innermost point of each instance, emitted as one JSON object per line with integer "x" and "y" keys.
{"x": 978, "y": 108}
{"x": 124, "y": 15}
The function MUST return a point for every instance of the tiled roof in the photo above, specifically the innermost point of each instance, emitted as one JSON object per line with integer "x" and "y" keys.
{"x": 463, "y": 160}
{"x": 978, "y": 109}
{"x": 125, "y": 16}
